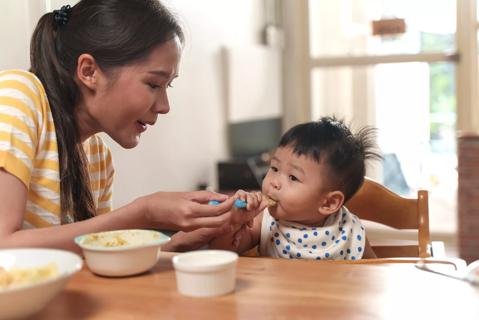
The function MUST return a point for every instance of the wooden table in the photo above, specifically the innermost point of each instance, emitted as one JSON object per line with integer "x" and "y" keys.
{"x": 273, "y": 289}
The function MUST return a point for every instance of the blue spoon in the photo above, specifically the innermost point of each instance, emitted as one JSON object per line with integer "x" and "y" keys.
{"x": 238, "y": 203}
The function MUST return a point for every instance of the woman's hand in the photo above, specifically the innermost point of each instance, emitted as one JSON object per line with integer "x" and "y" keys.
{"x": 186, "y": 210}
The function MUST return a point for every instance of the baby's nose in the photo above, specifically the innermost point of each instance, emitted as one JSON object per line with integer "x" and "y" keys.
{"x": 275, "y": 184}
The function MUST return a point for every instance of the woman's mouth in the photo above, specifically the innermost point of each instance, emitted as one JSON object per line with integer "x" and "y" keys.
{"x": 141, "y": 126}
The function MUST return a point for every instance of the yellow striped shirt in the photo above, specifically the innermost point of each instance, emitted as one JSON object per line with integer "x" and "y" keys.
{"x": 28, "y": 150}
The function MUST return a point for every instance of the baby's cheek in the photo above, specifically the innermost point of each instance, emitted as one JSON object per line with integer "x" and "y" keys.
{"x": 292, "y": 203}
{"x": 285, "y": 210}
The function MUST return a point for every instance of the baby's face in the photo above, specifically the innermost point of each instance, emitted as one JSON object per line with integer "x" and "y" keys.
{"x": 295, "y": 182}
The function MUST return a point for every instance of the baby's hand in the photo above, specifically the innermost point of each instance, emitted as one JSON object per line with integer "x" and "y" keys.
{"x": 252, "y": 199}
{"x": 244, "y": 218}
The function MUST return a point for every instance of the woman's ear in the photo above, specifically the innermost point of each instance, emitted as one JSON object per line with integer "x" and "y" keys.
{"x": 331, "y": 203}
{"x": 87, "y": 71}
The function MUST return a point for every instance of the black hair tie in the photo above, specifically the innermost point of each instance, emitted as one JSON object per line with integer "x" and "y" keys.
{"x": 61, "y": 16}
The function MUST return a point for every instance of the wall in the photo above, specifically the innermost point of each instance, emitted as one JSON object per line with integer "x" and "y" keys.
{"x": 183, "y": 147}
{"x": 18, "y": 17}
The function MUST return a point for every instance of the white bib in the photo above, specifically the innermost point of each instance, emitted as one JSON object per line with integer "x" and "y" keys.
{"x": 341, "y": 238}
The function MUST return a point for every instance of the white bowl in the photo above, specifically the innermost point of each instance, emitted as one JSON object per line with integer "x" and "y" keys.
{"x": 26, "y": 299}
{"x": 121, "y": 252}
{"x": 205, "y": 273}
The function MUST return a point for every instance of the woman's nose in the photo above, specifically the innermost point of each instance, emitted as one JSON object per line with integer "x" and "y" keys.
{"x": 164, "y": 108}
{"x": 162, "y": 105}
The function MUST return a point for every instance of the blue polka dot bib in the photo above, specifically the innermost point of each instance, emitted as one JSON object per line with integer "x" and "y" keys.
{"x": 341, "y": 238}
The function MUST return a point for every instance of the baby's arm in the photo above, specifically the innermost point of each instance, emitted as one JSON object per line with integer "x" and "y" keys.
{"x": 368, "y": 251}
{"x": 241, "y": 239}
{"x": 243, "y": 236}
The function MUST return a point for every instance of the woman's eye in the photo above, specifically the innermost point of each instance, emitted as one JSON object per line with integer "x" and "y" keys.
{"x": 153, "y": 86}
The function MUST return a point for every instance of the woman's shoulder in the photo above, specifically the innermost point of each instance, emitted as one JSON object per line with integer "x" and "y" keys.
{"x": 23, "y": 96}
{"x": 23, "y": 76}
{"x": 25, "y": 73}
{"x": 23, "y": 86}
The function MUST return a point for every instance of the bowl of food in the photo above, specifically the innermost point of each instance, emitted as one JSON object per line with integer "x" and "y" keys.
{"x": 205, "y": 273}
{"x": 121, "y": 252}
{"x": 30, "y": 278}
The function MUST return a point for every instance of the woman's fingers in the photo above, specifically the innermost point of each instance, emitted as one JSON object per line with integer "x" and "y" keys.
{"x": 210, "y": 222}
{"x": 206, "y": 196}
{"x": 208, "y": 210}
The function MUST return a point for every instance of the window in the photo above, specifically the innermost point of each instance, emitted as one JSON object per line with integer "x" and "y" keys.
{"x": 403, "y": 84}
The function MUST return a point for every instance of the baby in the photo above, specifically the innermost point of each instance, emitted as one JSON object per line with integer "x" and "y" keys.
{"x": 316, "y": 168}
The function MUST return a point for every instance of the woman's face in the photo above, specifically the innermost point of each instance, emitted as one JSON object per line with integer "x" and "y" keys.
{"x": 125, "y": 104}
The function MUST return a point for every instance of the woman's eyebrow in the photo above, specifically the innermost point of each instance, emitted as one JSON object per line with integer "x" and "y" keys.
{"x": 162, "y": 74}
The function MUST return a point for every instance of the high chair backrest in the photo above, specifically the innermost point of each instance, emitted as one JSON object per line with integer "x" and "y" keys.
{"x": 375, "y": 202}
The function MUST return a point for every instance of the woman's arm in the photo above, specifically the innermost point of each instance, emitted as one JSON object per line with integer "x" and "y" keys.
{"x": 186, "y": 211}
{"x": 13, "y": 198}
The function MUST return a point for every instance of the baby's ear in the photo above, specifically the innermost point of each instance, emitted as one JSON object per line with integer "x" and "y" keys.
{"x": 331, "y": 203}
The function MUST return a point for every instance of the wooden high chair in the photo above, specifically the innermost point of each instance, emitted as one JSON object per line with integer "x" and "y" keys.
{"x": 375, "y": 202}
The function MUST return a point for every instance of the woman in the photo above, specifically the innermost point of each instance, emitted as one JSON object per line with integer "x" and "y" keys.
{"x": 99, "y": 66}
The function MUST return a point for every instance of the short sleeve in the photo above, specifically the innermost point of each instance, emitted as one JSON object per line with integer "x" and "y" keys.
{"x": 20, "y": 105}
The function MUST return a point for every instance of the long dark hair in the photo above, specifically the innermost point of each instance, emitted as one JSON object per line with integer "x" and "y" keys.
{"x": 115, "y": 33}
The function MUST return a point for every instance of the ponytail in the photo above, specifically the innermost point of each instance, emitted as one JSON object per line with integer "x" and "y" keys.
{"x": 62, "y": 92}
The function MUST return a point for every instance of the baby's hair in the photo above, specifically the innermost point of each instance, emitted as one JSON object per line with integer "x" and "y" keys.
{"x": 330, "y": 141}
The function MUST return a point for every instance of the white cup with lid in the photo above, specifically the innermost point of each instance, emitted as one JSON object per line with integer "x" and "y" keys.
{"x": 205, "y": 273}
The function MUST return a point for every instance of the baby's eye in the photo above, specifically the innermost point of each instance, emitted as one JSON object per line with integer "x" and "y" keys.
{"x": 274, "y": 169}
{"x": 293, "y": 178}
